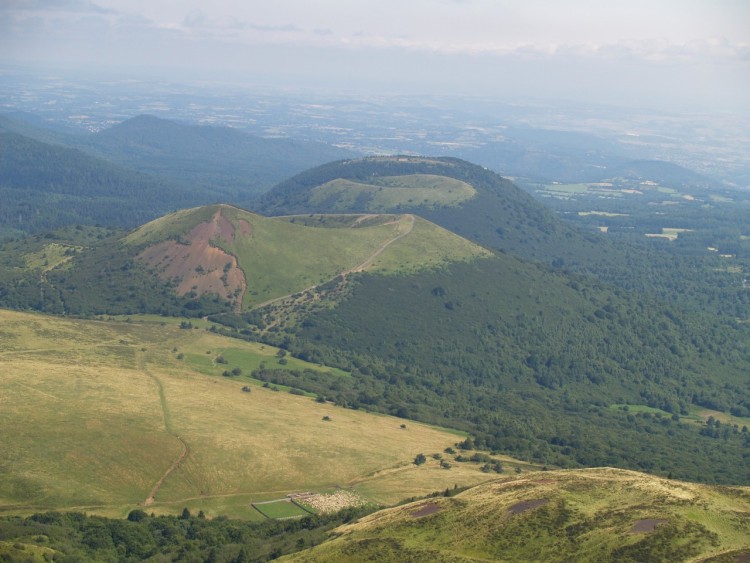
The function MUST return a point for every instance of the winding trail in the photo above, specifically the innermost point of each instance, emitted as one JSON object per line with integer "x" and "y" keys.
{"x": 367, "y": 263}
{"x": 358, "y": 268}
{"x": 141, "y": 362}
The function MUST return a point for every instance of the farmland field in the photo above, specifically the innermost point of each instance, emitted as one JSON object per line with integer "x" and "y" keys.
{"x": 280, "y": 509}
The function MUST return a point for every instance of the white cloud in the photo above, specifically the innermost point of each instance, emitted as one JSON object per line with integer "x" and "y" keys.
{"x": 419, "y": 42}
{"x": 52, "y": 6}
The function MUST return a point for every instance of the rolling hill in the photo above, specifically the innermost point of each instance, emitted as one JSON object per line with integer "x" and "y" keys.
{"x": 588, "y": 515}
{"x": 258, "y": 259}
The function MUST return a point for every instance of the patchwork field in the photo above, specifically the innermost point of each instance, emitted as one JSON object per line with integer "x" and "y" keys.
{"x": 105, "y": 416}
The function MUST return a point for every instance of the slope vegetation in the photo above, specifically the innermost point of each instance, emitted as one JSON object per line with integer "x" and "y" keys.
{"x": 533, "y": 364}
{"x": 590, "y": 515}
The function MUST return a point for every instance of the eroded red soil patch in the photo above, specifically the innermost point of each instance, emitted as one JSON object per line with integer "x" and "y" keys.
{"x": 527, "y": 505}
{"x": 646, "y": 526}
{"x": 200, "y": 266}
{"x": 245, "y": 228}
{"x": 426, "y": 510}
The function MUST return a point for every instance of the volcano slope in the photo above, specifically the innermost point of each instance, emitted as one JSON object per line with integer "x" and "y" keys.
{"x": 482, "y": 206}
{"x": 213, "y": 259}
{"x": 259, "y": 260}
{"x": 464, "y": 198}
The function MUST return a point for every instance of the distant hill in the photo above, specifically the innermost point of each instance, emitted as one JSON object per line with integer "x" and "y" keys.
{"x": 549, "y": 155}
{"x": 137, "y": 170}
{"x": 591, "y": 515}
{"x": 665, "y": 173}
{"x": 220, "y": 159}
{"x": 44, "y": 186}
{"x": 37, "y": 128}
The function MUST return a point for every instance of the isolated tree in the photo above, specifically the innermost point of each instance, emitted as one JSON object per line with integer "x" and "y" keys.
{"x": 420, "y": 459}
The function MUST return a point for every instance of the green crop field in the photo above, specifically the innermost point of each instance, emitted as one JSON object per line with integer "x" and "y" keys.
{"x": 280, "y": 509}
{"x": 96, "y": 413}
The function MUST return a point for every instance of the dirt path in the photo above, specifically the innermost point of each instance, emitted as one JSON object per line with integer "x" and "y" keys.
{"x": 358, "y": 268}
{"x": 185, "y": 449}
{"x": 364, "y": 265}
{"x": 175, "y": 465}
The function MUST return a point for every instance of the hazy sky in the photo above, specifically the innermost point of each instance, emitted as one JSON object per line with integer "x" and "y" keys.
{"x": 660, "y": 52}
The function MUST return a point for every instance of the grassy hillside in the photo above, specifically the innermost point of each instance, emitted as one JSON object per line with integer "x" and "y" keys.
{"x": 590, "y": 515}
{"x": 95, "y": 413}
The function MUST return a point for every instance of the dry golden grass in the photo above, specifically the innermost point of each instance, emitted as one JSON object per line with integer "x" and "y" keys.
{"x": 93, "y": 414}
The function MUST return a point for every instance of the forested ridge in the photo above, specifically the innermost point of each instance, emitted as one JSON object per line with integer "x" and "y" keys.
{"x": 45, "y": 186}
